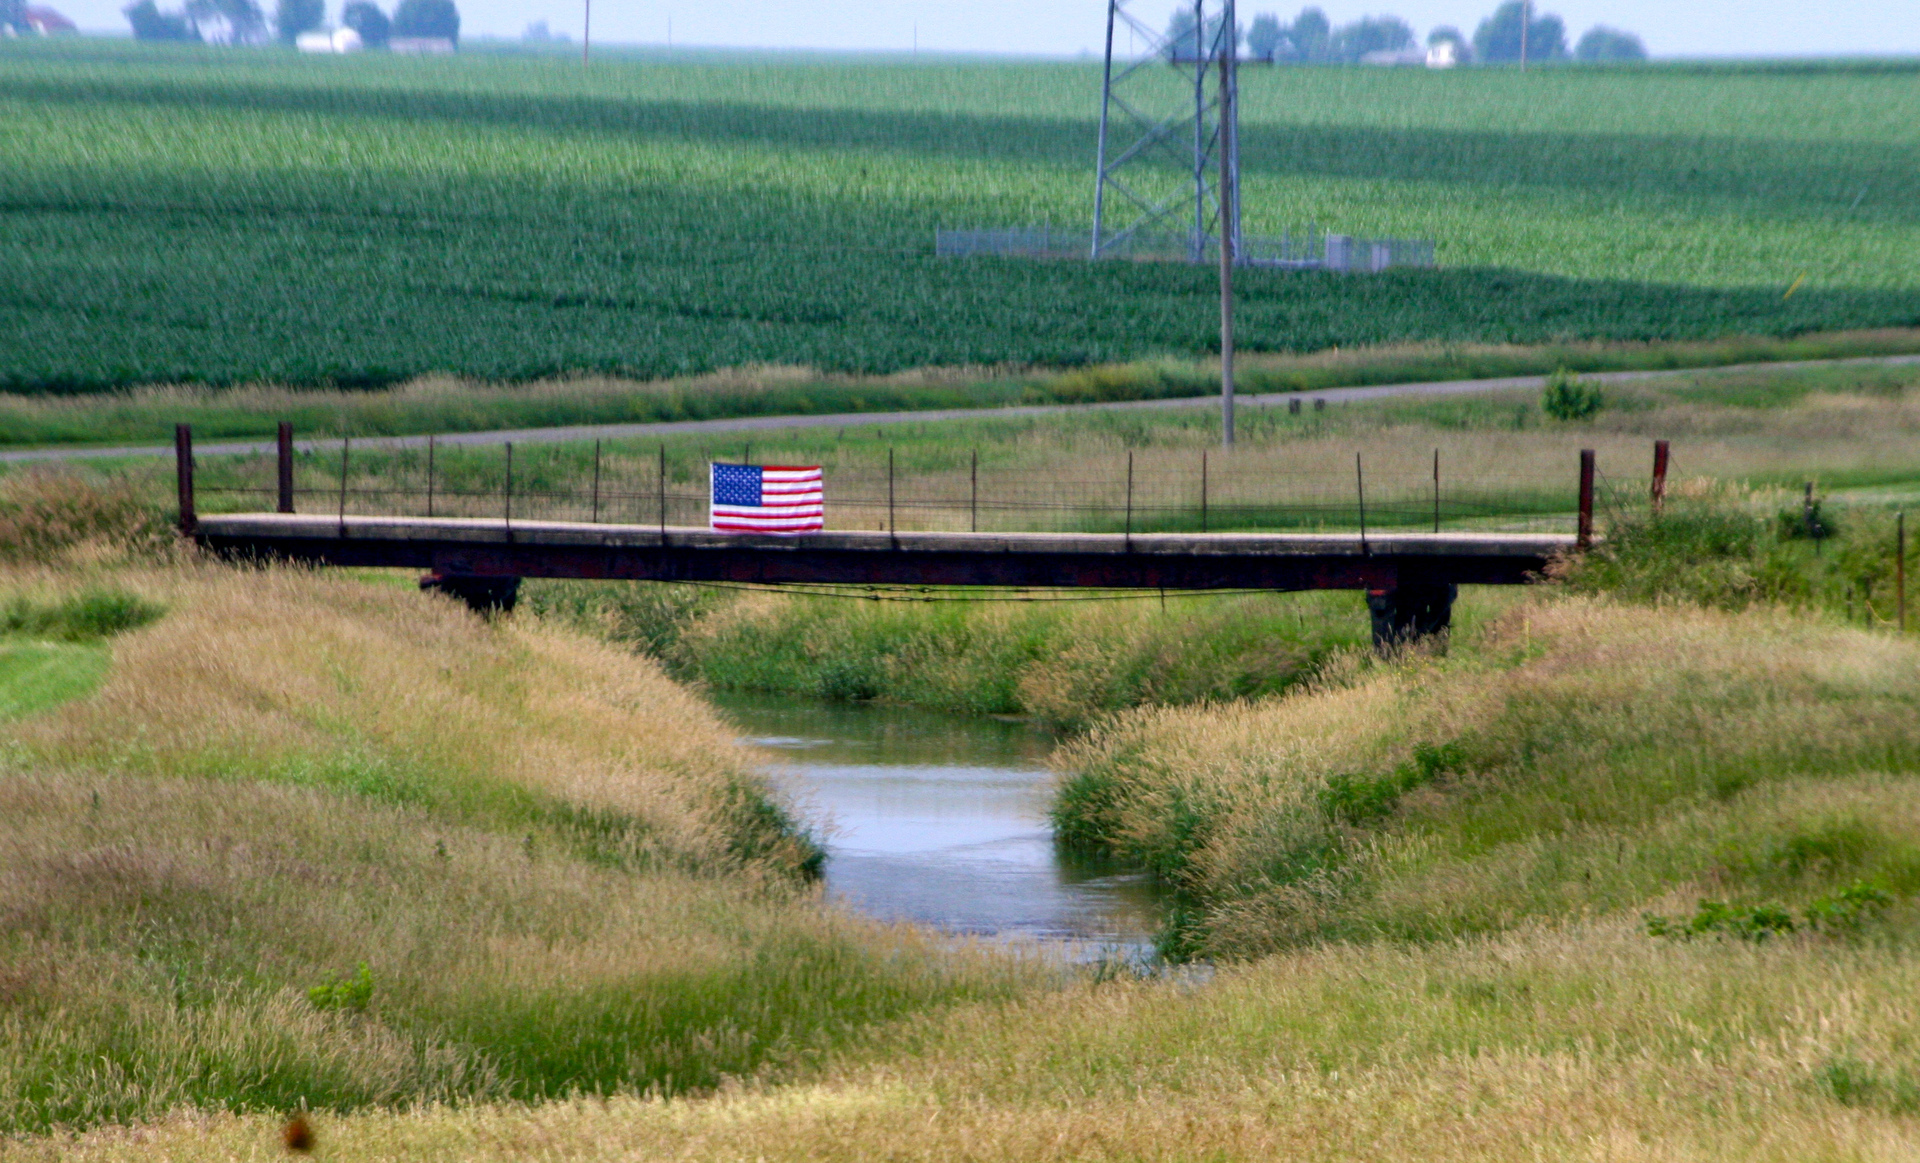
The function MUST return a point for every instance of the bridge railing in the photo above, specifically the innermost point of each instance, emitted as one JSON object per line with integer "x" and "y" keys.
{"x": 1284, "y": 487}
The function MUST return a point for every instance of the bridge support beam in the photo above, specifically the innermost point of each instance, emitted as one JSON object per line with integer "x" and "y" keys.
{"x": 483, "y": 595}
{"x": 1409, "y": 612}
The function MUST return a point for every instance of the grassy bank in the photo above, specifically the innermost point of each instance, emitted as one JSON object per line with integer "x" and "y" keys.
{"x": 1576, "y": 756}
{"x": 1585, "y": 1040}
{"x": 441, "y": 404}
{"x": 307, "y": 842}
{"x": 1061, "y": 662}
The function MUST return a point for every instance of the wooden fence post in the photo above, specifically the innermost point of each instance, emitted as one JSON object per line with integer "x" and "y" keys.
{"x": 1585, "y": 537}
{"x": 430, "y": 442}
{"x": 890, "y": 526}
{"x": 285, "y": 451}
{"x": 183, "y": 476}
{"x": 596, "y": 482}
{"x": 1659, "y": 490}
{"x": 1129, "y": 526}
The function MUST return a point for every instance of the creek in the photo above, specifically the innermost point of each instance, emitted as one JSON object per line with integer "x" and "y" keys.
{"x": 942, "y": 820}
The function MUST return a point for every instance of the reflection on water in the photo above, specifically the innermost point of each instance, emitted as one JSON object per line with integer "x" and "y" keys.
{"x": 941, "y": 819}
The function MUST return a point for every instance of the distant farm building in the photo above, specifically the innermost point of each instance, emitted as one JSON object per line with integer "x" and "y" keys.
{"x": 46, "y": 22}
{"x": 338, "y": 41}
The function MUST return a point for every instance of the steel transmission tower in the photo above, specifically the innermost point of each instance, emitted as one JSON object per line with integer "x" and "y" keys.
{"x": 1169, "y": 131}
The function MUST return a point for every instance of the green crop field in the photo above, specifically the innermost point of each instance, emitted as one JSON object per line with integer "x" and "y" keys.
{"x": 225, "y": 216}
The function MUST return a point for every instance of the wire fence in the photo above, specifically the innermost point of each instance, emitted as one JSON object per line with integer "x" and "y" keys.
{"x": 1162, "y": 492}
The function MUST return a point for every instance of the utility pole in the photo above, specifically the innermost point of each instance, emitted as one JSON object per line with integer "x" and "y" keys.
{"x": 1229, "y": 198}
{"x": 1526, "y": 18}
{"x": 586, "y": 28}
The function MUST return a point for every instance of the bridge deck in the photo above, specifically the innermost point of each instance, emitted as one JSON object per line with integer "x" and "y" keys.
{"x": 560, "y": 549}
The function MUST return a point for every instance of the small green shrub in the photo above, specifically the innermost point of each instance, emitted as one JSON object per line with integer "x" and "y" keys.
{"x": 1842, "y": 913}
{"x": 1569, "y": 398}
{"x": 1808, "y": 520}
{"x": 1747, "y": 922}
{"x": 1359, "y": 800}
{"x": 1851, "y": 909}
{"x": 353, "y": 994}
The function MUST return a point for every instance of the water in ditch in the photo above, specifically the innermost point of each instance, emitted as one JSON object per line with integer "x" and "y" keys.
{"x": 941, "y": 820}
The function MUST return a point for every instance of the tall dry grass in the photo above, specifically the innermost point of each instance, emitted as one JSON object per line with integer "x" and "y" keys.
{"x": 1397, "y": 799}
{"x": 1583, "y": 1042}
{"x": 561, "y": 873}
{"x": 322, "y": 679}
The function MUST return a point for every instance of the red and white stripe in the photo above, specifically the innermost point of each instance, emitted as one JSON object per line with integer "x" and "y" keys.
{"x": 792, "y": 500}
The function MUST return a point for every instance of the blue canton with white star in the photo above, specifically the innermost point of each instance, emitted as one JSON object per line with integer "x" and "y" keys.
{"x": 736, "y": 484}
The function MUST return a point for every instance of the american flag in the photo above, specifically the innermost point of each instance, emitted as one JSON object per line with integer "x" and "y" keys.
{"x": 768, "y": 498}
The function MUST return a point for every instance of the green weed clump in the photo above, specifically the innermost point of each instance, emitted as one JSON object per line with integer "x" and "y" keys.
{"x": 91, "y": 614}
{"x": 1845, "y": 912}
{"x": 1569, "y": 398}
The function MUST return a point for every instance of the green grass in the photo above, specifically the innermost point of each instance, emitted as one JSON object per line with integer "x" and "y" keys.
{"x": 1063, "y": 663}
{"x": 52, "y": 652}
{"x": 605, "y": 221}
{"x": 38, "y": 675}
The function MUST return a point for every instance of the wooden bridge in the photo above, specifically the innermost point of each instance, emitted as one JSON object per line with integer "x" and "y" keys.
{"x": 1410, "y": 578}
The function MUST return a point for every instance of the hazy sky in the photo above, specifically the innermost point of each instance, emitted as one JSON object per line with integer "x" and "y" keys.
{"x": 1669, "y": 27}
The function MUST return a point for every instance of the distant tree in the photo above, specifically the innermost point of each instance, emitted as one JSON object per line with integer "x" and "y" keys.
{"x": 13, "y": 16}
{"x": 1311, "y": 35}
{"x": 1183, "y": 45}
{"x": 365, "y": 18}
{"x": 227, "y": 21}
{"x": 427, "y": 18}
{"x": 1447, "y": 34}
{"x": 1265, "y": 37}
{"x": 1373, "y": 34}
{"x": 1609, "y": 44}
{"x": 1497, "y": 40}
{"x": 149, "y": 23}
{"x": 294, "y": 17}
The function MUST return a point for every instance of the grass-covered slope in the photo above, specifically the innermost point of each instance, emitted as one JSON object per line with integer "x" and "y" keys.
{"x": 316, "y": 842}
{"x": 1574, "y": 756}
{"x": 1064, "y": 663}
{"x": 198, "y": 215}
{"x": 1583, "y": 1040}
